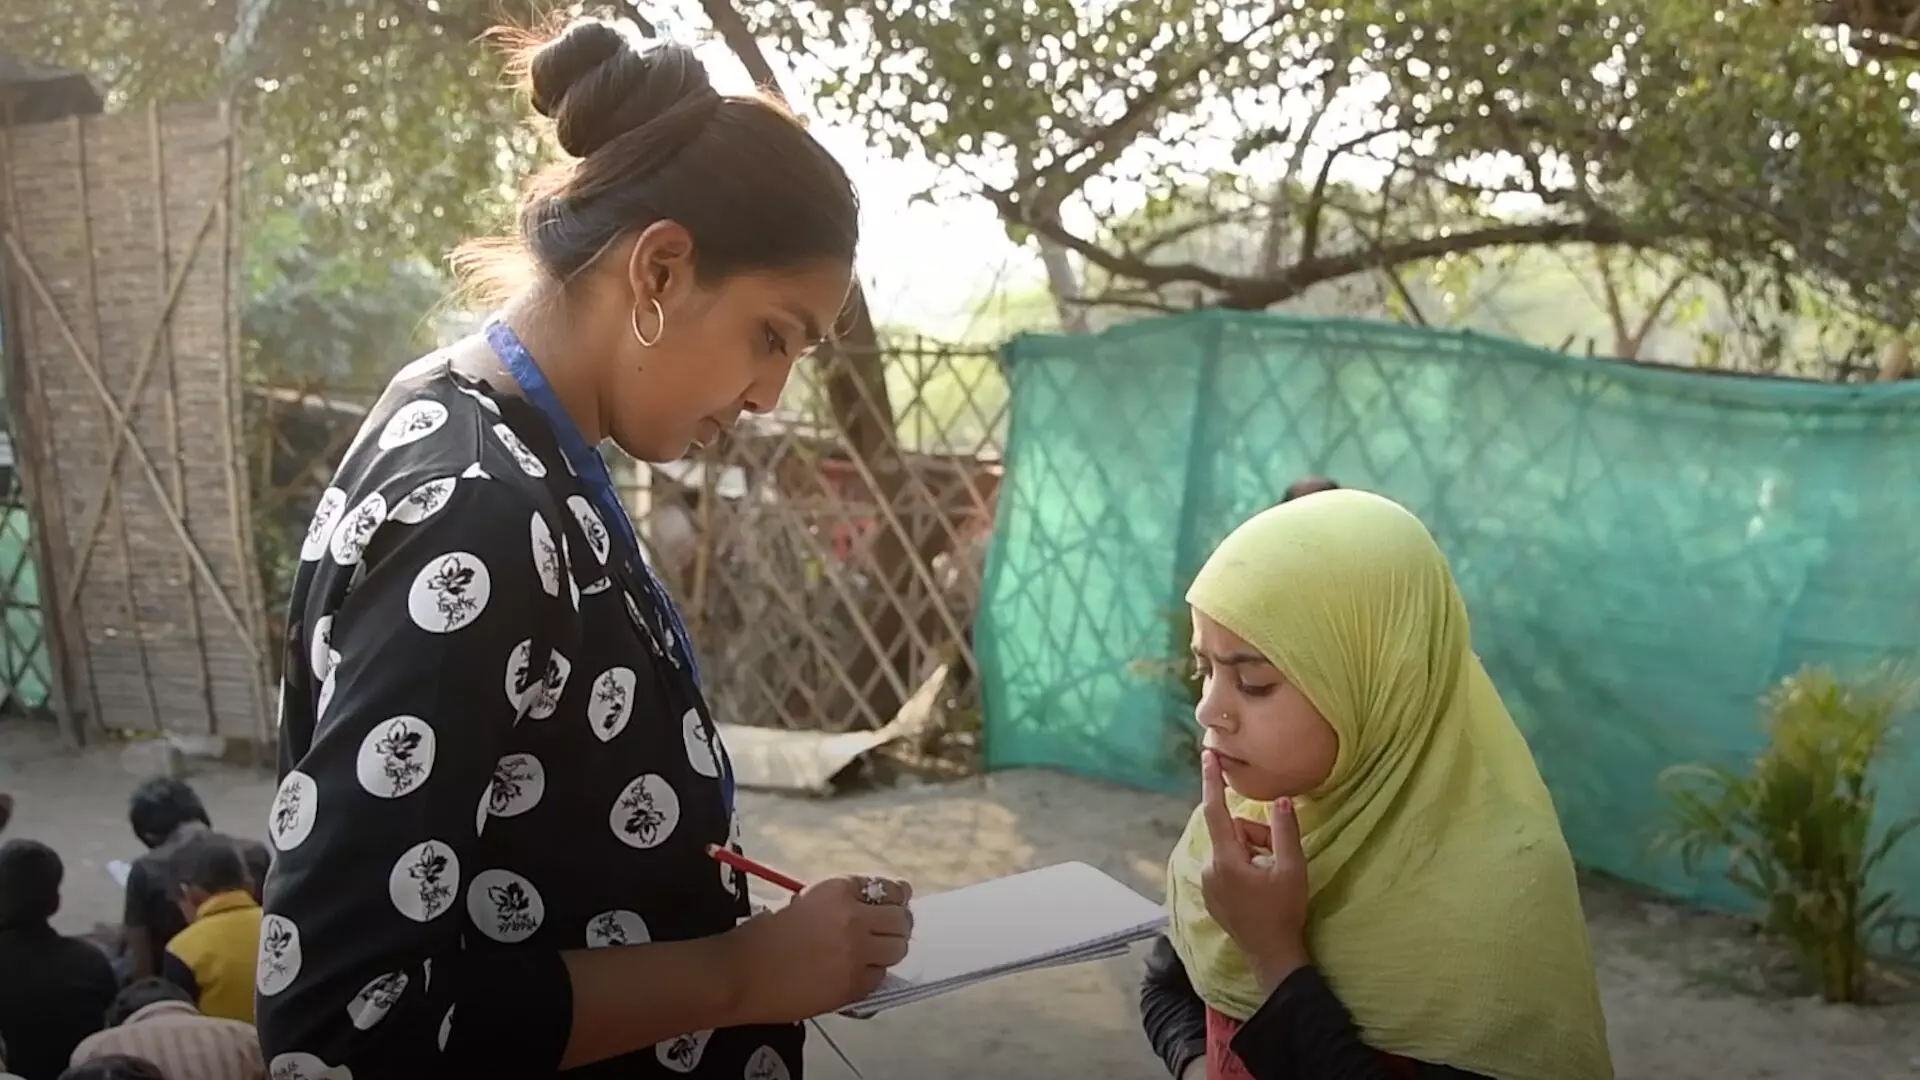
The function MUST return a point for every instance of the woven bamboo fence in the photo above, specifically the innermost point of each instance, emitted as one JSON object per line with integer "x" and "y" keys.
{"x": 118, "y": 253}
{"x": 822, "y": 582}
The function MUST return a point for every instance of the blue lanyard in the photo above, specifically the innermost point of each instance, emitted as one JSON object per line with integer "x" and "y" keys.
{"x": 592, "y": 470}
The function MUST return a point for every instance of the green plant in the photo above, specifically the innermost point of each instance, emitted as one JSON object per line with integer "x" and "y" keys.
{"x": 1173, "y": 674}
{"x": 1796, "y": 828}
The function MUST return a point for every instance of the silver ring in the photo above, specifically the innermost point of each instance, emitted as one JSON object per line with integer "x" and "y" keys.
{"x": 873, "y": 891}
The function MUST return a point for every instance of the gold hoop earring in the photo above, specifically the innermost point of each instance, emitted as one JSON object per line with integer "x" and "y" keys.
{"x": 633, "y": 320}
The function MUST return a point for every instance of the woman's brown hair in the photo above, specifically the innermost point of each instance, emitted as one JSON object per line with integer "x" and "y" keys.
{"x": 648, "y": 139}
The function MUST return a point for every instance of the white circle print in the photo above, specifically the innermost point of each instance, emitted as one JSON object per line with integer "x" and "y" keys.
{"x": 505, "y": 906}
{"x": 449, "y": 592}
{"x": 646, "y": 812}
{"x": 278, "y": 962}
{"x": 617, "y": 927}
{"x": 290, "y": 818}
{"x": 480, "y": 812}
{"x": 320, "y": 652}
{"x": 521, "y": 679}
{"x": 682, "y": 1053}
{"x": 573, "y": 583}
{"x": 546, "y": 554}
{"x": 611, "y": 704}
{"x": 424, "y": 881}
{"x": 371, "y": 1004}
{"x": 699, "y": 739}
{"x": 547, "y": 696}
{"x": 518, "y": 782}
{"x": 529, "y": 462}
{"x": 591, "y": 526}
{"x": 486, "y": 402}
{"x": 356, "y": 529}
{"x": 319, "y": 530}
{"x": 766, "y": 1064}
{"x": 326, "y": 688}
{"x": 396, "y": 757}
{"x": 424, "y": 501}
{"x": 412, "y": 422}
{"x": 730, "y": 879}
{"x": 426, "y": 365}
{"x": 300, "y": 1066}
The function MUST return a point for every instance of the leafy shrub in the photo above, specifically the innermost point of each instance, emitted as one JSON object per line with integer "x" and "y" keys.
{"x": 1796, "y": 828}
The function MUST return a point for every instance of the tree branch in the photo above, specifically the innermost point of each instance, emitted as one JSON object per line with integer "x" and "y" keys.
{"x": 1280, "y": 212}
{"x": 740, "y": 41}
{"x": 1316, "y": 202}
{"x": 1253, "y": 293}
{"x": 1013, "y": 209}
{"x": 1262, "y": 294}
{"x": 1655, "y": 308}
{"x": 1104, "y": 144}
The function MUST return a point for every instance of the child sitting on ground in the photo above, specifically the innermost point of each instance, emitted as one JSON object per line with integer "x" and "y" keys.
{"x": 213, "y": 958}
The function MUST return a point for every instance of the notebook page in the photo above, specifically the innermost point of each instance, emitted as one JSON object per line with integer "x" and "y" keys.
{"x": 1062, "y": 913}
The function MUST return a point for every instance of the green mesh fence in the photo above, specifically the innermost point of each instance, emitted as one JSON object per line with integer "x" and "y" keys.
{"x": 1644, "y": 551}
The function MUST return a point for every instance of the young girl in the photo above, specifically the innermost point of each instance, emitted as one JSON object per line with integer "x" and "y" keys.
{"x": 1375, "y": 884}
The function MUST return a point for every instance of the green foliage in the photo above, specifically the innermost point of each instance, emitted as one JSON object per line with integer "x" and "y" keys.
{"x": 1175, "y": 677}
{"x": 331, "y": 322}
{"x": 1796, "y": 828}
{"x": 323, "y": 323}
{"x": 1740, "y": 138}
{"x": 383, "y": 113}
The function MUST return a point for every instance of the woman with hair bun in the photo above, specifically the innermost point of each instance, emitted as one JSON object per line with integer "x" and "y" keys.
{"x": 499, "y": 775}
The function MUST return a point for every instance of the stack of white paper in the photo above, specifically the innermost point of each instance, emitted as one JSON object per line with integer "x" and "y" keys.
{"x": 1068, "y": 913}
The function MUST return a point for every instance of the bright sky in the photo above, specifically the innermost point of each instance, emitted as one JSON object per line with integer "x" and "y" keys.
{"x": 924, "y": 265}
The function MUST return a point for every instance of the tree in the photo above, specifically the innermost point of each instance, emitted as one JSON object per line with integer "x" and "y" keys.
{"x": 384, "y": 126}
{"x": 1885, "y": 28}
{"x": 382, "y": 112}
{"x": 859, "y": 401}
{"x": 1741, "y": 138}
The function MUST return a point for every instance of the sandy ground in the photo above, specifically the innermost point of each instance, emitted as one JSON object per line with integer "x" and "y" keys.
{"x": 1671, "y": 979}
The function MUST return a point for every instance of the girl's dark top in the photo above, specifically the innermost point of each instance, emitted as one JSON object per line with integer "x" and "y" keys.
{"x": 1303, "y": 1032}
{"x": 489, "y": 754}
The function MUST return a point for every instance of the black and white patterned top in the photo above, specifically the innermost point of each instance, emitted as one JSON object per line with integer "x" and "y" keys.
{"x": 486, "y": 758}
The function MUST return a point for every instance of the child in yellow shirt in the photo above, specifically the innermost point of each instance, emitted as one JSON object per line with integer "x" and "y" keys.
{"x": 213, "y": 958}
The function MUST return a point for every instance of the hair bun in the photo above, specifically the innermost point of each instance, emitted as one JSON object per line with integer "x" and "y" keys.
{"x": 595, "y": 86}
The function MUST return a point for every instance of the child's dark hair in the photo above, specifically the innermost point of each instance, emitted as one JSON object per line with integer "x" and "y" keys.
{"x": 651, "y": 140}
{"x": 30, "y": 874}
{"x": 160, "y": 805}
{"x": 211, "y": 863}
{"x": 141, "y": 993}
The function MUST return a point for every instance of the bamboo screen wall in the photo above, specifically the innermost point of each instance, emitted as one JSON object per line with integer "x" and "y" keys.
{"x": 118, "y": 246}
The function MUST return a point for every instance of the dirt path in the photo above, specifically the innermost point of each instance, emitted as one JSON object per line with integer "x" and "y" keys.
{"x": 1665, "y": 974}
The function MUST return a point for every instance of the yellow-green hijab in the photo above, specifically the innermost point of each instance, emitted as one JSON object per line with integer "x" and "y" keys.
{"x": 1443, "y": 906}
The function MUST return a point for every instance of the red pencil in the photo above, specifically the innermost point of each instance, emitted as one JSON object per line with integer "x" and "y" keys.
{"x": 748, "y": 866}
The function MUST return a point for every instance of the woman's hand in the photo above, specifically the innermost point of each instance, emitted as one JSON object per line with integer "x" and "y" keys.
{"x": 825, "y": 950}
{"x": 1255, "y": 885}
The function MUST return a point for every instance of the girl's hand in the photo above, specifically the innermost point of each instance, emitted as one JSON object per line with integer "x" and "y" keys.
{"x": 1255, "y": 884}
